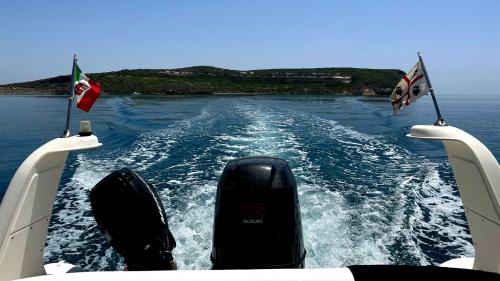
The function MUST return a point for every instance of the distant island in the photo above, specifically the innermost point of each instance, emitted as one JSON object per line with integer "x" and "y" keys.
{"x": 213, "y": 80}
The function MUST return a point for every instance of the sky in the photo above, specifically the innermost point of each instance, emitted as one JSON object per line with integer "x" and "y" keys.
{"x": 460, "y": 40}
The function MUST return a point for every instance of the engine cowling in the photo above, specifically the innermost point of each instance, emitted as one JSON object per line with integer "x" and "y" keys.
{"x": 134, "y": 221}
{"x": 257, "y": 221}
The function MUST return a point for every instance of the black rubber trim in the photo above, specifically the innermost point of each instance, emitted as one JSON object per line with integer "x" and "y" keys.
{"x": 426, "y": 273}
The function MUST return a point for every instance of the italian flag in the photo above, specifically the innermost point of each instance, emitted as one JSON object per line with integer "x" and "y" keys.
{"x": 86, "y": 91}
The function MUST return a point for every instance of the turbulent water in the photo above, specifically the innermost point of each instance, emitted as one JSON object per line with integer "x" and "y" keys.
{"x": 368, "y": 194}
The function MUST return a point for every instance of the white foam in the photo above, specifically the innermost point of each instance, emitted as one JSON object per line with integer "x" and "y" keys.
{"x": 361, "y": 233}
{"x": 73, "y": 218}
{"x": 385, "y": 205}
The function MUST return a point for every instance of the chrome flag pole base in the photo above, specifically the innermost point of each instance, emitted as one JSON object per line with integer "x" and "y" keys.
{"x": 66, "y": 134}
{"x": 440, "y": 122}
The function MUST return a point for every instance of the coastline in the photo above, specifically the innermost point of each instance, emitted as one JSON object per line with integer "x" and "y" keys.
{"x": 131, "y": 95}
{"x": 208, "y": 80}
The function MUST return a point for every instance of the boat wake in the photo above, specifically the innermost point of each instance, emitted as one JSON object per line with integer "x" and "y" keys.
{"x": 364, "y": 198}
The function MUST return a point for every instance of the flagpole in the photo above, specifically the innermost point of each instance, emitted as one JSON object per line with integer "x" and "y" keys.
{"x": 67, "y": 132}
{"x": 440, "y": 120}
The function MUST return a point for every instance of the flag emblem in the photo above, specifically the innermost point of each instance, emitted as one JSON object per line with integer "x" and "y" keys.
{"x": 410, "y": 88}
{"x": 81, "y": 88}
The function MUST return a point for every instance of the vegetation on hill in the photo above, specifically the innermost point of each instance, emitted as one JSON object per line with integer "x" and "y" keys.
{"x": 207, "y": 80}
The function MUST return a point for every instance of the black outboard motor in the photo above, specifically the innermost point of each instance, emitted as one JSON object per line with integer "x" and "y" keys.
{"x": 134, "y": 221}
{"x": 257, "y": 217}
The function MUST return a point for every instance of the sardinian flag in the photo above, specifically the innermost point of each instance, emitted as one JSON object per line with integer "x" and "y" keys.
{"x": 86, "y": 91}
{"x": 410, "y": 88}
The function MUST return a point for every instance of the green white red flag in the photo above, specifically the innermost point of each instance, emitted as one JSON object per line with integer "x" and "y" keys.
{"x": 413, "y": 86}
{"x": 85, "y": 91}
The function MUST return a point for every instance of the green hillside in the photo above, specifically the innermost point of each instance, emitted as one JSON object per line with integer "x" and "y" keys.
{"x": 209, "y": 80}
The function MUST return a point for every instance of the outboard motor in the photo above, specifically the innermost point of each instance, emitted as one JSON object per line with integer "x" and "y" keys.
{"x": 257, "y": 217}
{"x": 134, "y": 221}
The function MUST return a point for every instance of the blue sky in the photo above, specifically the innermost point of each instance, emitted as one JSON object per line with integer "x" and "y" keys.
{"x": 460, "y": 39}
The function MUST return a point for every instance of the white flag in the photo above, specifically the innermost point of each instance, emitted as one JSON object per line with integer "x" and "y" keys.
{"x": 410, "y": 88}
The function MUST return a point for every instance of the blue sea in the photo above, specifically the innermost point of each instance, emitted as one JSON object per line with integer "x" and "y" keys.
{"x": 368, "y": 193}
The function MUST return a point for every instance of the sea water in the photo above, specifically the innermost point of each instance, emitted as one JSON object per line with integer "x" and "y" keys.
{"x": 368, "y": 193}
